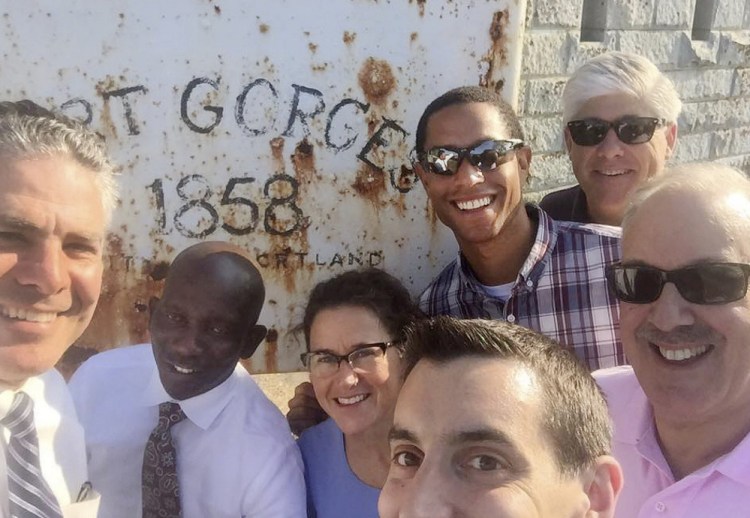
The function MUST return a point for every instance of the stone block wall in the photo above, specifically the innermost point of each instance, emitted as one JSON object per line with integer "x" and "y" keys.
{"x": 703, "y": 46}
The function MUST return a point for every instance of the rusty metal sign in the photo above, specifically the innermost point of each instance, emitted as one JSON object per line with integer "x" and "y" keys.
{"x": 281, "y": 126}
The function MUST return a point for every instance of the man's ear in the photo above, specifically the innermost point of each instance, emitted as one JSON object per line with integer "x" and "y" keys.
{"x": 421, "y": 174}
{"x": 568, "y": 140}
{"x": 253, "y": 337}
{"x": 671, "y": 139}
{"x": 523, "y": 156}
{"x": 602, "y": 484}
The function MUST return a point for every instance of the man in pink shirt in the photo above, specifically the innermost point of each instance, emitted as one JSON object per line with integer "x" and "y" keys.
{"x": 682, "y": 412}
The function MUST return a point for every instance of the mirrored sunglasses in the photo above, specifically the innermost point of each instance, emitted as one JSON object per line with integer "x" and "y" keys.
{"x": 709, "y": 283}
{"x": 630, "y": 130}
{"x": 485, "y": 156}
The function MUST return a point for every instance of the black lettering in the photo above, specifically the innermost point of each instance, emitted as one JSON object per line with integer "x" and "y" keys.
{"x": 318, "y": 262}
{"x": 239, "y": 109}
{"x": 218, "y": 111}
{"x": 379, "y": 139}
{"x": 354, "y": 259}
{"x": 281, "y": 260}
{"x": 86, "y": 106}
{"x": 337, "y": 259}
{"x": 348, "y": 129}
{"x": 122, "y": 93}
{"x": 297, "y": 113}
{"x": 376, "y": 258}
{"x": 301, "y": 256}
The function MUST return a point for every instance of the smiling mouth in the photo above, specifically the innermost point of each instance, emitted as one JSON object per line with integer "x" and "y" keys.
{"x": 613, "y": 172}
{"x": 346, "y": 401}
{"x": 183, "y": 370}
{"x": 27, "y": 315}
{"x": 682, "y": 355}
{"x": 474, "y": 204}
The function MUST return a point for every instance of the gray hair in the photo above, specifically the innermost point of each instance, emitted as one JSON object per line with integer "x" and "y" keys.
{"x": 621, "y": 73}
{"x": 28, "y": 131}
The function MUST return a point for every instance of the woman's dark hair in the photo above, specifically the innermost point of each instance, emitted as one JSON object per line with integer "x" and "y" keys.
{"x": 372, "y": 289}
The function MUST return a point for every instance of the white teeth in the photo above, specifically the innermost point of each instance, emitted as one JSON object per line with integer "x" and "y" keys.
{"x": 474, "y": 204}
{"x": 28, "y": 315}
{"x": 351, "y": 400}
{"x": 613, "y": 172}
{"x": 682, "y": 354}
{"x": 184, "y": 370}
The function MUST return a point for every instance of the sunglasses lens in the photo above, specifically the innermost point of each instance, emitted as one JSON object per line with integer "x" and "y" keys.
{"x": 636, "y": 284}
{"x": 588, "y": 132}
{"x": 711, "y": 283}
{"x": 487, "y": 155}
{"x": 636, "y": 130}
{"x": 442, "y": 161}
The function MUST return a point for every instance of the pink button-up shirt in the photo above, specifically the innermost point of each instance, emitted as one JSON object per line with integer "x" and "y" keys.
{"x": 720, "y": 489}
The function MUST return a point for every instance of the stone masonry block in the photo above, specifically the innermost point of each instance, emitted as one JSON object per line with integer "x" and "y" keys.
{"x": 675, "y": 14}
{"x": 544, "y": 96}
{"x": 697, "y": 84}
{"x": 544, "y": 134}
{"x": 740, "y": 141}
{"x": 721, "y": 145}
{"x": 693, "y": 147}
{"x": 557, "y": 14}
{"x": 546, "y": 52}
{"x": 741, "y": 84}
{"x": 661, "y": 47}
{"x": 581, "y": 52}
{"x": 549, "y": 172}
{"x": 729, "y": 15}
{"x": 714, "y": 115}
{"x": 629, "y": 14}
{"x": 734, "y": 48}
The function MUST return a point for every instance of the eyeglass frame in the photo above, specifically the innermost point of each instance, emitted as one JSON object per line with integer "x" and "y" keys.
{"x": 612, "y": 125}
{"x": 383, "y": 346}
{"x": 420, "y": 157}
{"x": 668, "y": 276}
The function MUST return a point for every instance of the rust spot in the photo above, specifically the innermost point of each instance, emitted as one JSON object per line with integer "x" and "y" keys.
{"x": 217, "y": 9}
{"x": 413, "y": 36}
{"x": 272, "y": 336}
{"x": 497, "y": 56}
{"x": 420, "y": 5}
{"x": 349, "y": 37}
{"x": 263, "y": 28}
{"x": 159, "y": 271}
{"x": 277, "y": 149}
{"x": 313, "y": 47}
{"x": 370, "y": 184}
{"x": 376, "y": 80}
{"x": 270, "y": 355}
{"x": 303, "y": 161}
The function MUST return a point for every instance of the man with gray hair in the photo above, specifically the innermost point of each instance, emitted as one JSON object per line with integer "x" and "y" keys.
{"x": 682, "y": 411}
{"x": 57, "y": 193}
{"x": 627, "y": 94}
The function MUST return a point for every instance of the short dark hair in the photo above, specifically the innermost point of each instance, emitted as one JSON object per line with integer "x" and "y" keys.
{"x": 574, "y": 411}
{"x": 466, "y": 95}
{"x": 372, "y": 289}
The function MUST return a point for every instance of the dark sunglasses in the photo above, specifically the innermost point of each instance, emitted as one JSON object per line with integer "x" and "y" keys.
{"x": 708, "y": 283}
{"x": 486, "y": 156}
{"x": 630, "y": 130}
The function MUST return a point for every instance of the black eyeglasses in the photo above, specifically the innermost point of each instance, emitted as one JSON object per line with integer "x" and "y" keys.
{"x": 708, "y": 283}
{"x": 486, "y": 156}
{"x": 364, "y": 359}
{"x": 630, "y": 130}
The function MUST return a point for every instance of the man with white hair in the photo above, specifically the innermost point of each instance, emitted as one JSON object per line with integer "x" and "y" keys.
{"x": 682, "y": 411}
{"x": 620, "y": 116}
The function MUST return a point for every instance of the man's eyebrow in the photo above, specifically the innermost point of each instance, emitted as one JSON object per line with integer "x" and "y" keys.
{"x": 401, "y": 434}
{"x": 482, "y": 434}
{"x": 11, "y": 222}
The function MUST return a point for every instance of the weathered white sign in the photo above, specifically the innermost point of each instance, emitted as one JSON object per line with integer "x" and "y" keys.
{"x": 281, "y": 126}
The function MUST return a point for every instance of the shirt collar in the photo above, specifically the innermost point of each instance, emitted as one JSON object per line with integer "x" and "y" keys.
{"x": 202, "y": 409}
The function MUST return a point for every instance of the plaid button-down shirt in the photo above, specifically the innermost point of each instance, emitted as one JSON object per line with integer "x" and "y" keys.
{"x": 561, "y": 290}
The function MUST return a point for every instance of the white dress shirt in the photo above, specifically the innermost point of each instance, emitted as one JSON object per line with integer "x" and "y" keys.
{"x": 62, "y": 455}
{"x": 235, "y": 454}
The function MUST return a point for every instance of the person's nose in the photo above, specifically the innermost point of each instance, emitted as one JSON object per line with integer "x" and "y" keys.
{"x": 428, "y": 494}
{"x": 611, "y": 147}
{"x": 44, "y": 267}
{"x": 468, "y": 175}
{"x": 670, "y": 310}
{"x": 346, "y": 374}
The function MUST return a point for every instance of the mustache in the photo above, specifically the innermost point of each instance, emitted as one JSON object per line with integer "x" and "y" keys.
{"x": 696, "y": 333}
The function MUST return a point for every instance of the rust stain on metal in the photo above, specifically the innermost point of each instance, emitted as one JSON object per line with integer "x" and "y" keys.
{"x": 271, "y": 350}
{"x": 420, "y": 5}
{"x": 376, "y": 80}
{"x": 313, "y": 47}
{"x": 349, "y": 37}
{"x": 413, "y": 37}
{"x": 303, "y": 161}
{"x": 263, "y": 28}
{"x": 217, "y": 9}
{"x": 370, "y": 184}
{"x": 497, "y": 56}
{"x": 277, "y": 151}
{"x": 107, "y": 124}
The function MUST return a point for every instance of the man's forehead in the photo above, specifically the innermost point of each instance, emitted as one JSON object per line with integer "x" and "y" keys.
{"x": 440, "y": 123}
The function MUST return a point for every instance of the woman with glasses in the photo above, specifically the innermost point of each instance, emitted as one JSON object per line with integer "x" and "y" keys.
{"x": 353, "y": 325}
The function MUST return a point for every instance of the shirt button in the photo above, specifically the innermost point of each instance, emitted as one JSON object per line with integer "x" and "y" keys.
{"x": 511, "y": 318}
{"x": 660, "y": 507}
{"x": 530, "y": 284}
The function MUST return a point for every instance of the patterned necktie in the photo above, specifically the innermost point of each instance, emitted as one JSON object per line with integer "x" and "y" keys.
{"x": 29, "y": 496}
{"x": 161, "y": 489}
